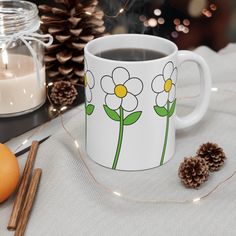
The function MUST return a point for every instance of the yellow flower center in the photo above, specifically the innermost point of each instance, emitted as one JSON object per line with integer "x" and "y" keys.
{"x": 120, "y": 91}
{"x": 85, "y": 81}
{"x": 168, "y": 85}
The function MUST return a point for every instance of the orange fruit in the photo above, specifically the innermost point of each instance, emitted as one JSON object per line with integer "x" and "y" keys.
{"x": 9, "y": 172}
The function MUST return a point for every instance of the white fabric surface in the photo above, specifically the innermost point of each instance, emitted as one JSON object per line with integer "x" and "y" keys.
{"x": 70, "y": 203}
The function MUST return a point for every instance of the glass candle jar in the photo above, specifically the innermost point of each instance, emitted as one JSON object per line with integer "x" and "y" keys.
{"x": 22, "y": 70}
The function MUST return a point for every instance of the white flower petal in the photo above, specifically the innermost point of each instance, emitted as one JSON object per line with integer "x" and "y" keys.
{"x": 134, "y": 86}
{"x": 107, "y": 84}
{"x": 158, "y": 84}
{"x": 161, "y": 99}
{"x": 88, "y": 94}
{"x": 90, "y": 79}
{"x": 112, "y": 101}
{"x": 167, "y": 70}
{"x": 120, "y": 75}
{"x": 130, "y": 102}
{"x": 172, "y": 94}
{"x": 174, "y": 75}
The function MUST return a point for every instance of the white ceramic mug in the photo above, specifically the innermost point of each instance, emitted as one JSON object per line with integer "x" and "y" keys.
{"x": 130, "y": 105}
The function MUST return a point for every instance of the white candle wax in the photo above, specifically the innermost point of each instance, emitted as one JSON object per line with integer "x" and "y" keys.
{"x": 19, "y": 88}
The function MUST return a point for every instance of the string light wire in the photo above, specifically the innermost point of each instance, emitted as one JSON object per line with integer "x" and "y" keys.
{"x": 115, "y": 192}
{"x": 139, "y": 200}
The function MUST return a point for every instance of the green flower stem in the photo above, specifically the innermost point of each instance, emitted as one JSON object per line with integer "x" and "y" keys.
{"x": 121, "y": 131}
{"x": 166, "y": 134}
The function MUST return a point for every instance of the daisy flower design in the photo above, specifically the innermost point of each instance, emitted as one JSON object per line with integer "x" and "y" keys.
{"x": 164, "y": 85}
{"x": 121, "y": 89}
{"x": 121, "y": 96}
{"x": 89, "y": 83}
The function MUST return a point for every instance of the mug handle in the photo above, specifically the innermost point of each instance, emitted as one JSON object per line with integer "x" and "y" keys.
{"x": 205, "y": 90}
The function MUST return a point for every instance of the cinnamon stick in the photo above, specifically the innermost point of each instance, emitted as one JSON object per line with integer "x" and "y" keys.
{"x": 18, "y": 204}
{"x": 29, "y": 201}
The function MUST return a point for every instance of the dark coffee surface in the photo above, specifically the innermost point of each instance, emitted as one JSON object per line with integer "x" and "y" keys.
{"x": 131, "y": 54}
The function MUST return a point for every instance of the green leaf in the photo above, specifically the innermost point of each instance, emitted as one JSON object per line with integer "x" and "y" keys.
{"x": 89, "y": 109}
{"x": 132, "y": 118}
{"x": 161, "y": 111}
{"x": 111, "y": 113}
{"x": 172, "y": 108}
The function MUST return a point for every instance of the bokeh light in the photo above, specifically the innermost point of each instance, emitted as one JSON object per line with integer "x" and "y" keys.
{"x": 152, "y": 22}
{"x": 176, "y": 21}
{"x": 180, "y": 27}
{"x": 161, "y": 20}
{"x": 186, "y": 30}
{"x": 206, "y": 13}
{"x": 174, "y": 34}
{"x": 142, "y": 18}
{"x": 145, "y": 23}
{"x": 213, "y": 7}
{"x": 186, "y": 22}
{"x": 157, "y": 12}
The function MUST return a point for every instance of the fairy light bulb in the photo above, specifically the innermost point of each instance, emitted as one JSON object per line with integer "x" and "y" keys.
{"x": 63, "y": 108}
{"x": 214, "y": 89}
{"x": 196, "y": 199}
{"x": 76, "y": 143}
{"x": 25, "y": 141}
{"x": 117, "y": 193}
{"x": 121, "y": 10}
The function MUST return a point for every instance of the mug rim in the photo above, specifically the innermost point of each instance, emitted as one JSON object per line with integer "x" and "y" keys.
{"x": 97, "y": 40}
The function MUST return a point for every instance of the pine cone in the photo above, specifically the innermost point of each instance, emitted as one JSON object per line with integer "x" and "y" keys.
{"x": 72, "y": 23}
{"x": 213, "y": 154}
{"x": 193, "y": 171}
{"x": 63, "y": 93}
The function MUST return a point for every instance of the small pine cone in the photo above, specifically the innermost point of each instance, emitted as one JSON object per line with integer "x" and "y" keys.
{"x": 193, "y": 171}
{"x": 213, "y": 154}
{"x": 63, "y": 93}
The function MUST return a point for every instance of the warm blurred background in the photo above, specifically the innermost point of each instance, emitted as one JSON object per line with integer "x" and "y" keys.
{"x": 189, "y": 23}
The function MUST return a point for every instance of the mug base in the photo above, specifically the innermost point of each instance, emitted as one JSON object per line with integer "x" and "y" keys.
{"x": 129, "y": 169}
